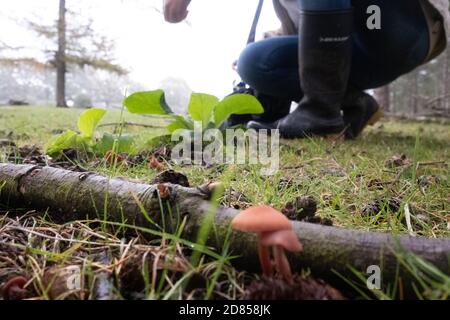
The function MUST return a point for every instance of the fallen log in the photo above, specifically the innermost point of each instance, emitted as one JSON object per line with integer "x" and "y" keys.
{"x": 327, "y": 250}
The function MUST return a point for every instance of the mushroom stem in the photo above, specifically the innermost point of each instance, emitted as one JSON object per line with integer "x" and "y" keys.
{"x": 264, "y": 258}
{"x": 282, "y": 263}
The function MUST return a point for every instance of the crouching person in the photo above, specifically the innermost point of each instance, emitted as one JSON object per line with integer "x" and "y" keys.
{"x": 329, "y": 53}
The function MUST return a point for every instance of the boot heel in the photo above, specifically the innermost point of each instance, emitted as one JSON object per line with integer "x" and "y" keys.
{"x": 375, "y": 118}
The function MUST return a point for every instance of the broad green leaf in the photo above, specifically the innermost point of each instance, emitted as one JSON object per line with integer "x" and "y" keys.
{"x": 89, "y": 120}
{"x": 236, "y": 104}
{"x": 65, "y": 140}
{"x": 201, "y": 107}
{"x": 125, "y": 143}
{"x": 83, "y": 143}
{"x": 147, "y": 102}
{"x": 180, "y": 123}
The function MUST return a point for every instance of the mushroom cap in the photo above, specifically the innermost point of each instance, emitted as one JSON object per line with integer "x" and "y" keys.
{"x": 17, "y": 281}
{"x": 261, "y": 219}
{"x": 13, "y": 289}
{"x": 283, "y": 238}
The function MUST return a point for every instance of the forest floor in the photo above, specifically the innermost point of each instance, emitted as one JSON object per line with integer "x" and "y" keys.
{"x": 367, "y": 184}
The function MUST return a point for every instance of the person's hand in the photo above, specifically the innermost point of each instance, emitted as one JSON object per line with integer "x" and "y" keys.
{"x": 175, "y": 10}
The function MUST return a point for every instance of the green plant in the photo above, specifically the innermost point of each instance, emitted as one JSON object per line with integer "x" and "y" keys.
{"x": 86, "y": 139}
{"x": 204, "y": 108}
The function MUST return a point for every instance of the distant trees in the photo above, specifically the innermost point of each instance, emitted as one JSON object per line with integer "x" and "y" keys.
{"x": 73, "y": 43}
{"x": 383, "y": 96}
{"x": 424, "y": 91}
{"x": 77, "y": 44}
{"x": 28, "y": 83}
{"x": 445, "y": 102}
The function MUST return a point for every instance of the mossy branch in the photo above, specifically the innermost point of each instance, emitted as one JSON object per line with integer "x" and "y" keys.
{"x": 327, "y": 250}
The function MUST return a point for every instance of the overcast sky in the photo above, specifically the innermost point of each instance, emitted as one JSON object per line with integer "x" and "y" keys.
{"x": 200, "y": 51}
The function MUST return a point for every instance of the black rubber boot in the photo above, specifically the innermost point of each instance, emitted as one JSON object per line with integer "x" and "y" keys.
{"x": 274, "y": 109}
{"x": 360, "y": 110}
{"x": 324, "y": 67}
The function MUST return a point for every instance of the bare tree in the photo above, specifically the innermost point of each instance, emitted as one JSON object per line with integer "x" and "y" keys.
{"x": 60, "y": 57}
{"x": 414, "y": 91}
{"x": 446, "y": 82}
{"x": 73, "y": 42}
{"x": 445, "y": 102}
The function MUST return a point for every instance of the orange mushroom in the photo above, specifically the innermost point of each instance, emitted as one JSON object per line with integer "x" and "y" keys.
{"x": 14, "y": 289}
{"x": 114, "y": 158}
{"x": 280, "y": 241}
{"x": 155, "y": 164}
{"x": 261, "y": 219}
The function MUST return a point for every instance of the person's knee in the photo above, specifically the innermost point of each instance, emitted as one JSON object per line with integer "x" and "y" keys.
{"x": 268, "y": 64}
{"x": 263, "y": 57}
{"x": 254, "y": 61}
{"x": 247, "y": 66}
{"x": 324, "y": 5}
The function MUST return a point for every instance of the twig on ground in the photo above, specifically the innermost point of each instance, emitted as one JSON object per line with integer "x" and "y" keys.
{"x": 131, "y": 124}
{"x": 326, "y": 248}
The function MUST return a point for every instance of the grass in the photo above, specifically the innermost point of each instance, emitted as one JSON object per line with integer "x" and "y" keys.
{"x": 36, "y": 125}
{"x": 346, "y": 179}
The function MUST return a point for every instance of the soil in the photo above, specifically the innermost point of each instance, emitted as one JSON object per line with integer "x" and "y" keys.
{"x": 304, "y": 209}
{"x": 398, "y": 161}
{"x": 172, "y": 177}
{"x": 301, "y": 289}
{"x": 374, "y": 208}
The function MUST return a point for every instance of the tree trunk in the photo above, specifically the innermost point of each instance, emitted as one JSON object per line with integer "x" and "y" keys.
{"x": 77, "y": 196}
{"x": 60, "y": 57}
{"x": 414, "y": 92}
{"x": 446, "y": 81}
{"x": 394, "y": 99}
{"x": 383, "y": 96}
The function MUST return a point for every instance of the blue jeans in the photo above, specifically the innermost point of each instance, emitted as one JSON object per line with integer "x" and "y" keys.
{"x": 379, "y": 56}
{"x": 323, "y": 5}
